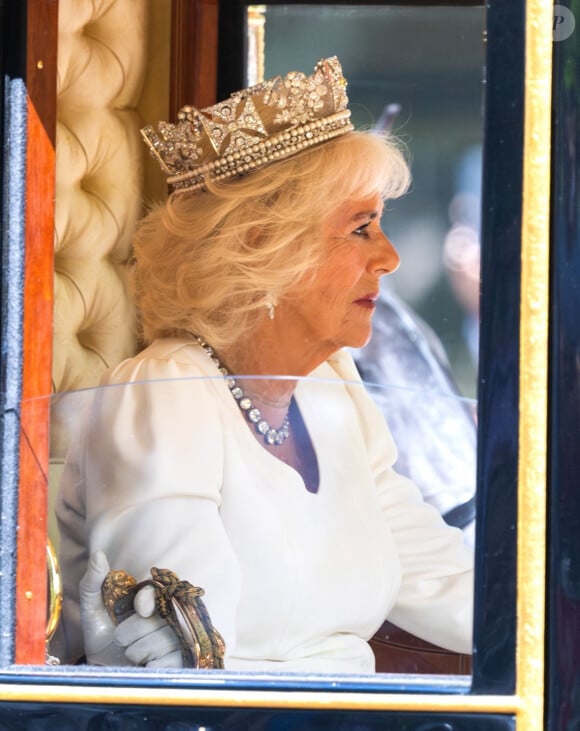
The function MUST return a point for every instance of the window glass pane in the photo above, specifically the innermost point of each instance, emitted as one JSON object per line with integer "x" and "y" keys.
{"x": 432, "y": 98}
{"x": 127, "y": 477}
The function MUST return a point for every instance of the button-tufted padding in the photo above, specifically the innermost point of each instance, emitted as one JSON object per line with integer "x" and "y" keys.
{"x": 102, "y": 48}
{"x": 102, "y": 60}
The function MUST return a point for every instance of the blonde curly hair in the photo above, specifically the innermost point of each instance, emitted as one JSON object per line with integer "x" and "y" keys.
{"x": 207, "y": 263}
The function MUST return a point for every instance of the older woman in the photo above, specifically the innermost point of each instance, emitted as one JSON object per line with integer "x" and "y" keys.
{"x": 276, "y": 495}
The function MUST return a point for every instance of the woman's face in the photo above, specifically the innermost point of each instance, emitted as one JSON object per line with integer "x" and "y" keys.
{"x": 336, "y": 307}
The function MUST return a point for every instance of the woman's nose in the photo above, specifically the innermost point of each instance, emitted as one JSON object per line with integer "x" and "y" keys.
{"x": 388, "y": 260}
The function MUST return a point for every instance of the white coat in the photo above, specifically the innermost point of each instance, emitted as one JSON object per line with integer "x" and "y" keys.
{"x": 167, "y": 473}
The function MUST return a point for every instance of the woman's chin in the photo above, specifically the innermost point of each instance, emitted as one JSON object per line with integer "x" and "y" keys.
{"x": 360, "y": 339}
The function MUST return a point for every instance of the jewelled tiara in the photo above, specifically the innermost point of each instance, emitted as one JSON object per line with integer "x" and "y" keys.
{"x": 252, "y": 128}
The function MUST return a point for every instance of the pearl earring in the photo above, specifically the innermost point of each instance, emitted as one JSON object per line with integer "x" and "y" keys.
{"x": 270, "y": 305}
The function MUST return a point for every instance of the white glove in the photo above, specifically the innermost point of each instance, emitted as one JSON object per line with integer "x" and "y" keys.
{"x": 98, "y": 629}
{"x": 142, "y": 639}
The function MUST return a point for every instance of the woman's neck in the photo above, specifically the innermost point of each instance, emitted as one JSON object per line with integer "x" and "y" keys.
{"x": 255, "y": 364}
{"x": 272, "y": 351}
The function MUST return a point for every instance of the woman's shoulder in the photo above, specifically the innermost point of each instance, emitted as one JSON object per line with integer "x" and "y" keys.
{"x": 163, "y": 358}
{"x": 372, "y": 421}
{"x": 178, "y": 350}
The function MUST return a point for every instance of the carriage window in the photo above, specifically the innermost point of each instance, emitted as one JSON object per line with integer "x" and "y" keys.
{"x": 419, "y": 368}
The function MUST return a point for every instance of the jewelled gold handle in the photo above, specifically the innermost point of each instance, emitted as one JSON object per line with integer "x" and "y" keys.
{"x": 179, "y": 603}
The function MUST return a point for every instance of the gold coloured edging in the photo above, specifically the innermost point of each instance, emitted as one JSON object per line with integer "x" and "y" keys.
{"x": 318, "y": 700}
{"x": 533, "y": 379}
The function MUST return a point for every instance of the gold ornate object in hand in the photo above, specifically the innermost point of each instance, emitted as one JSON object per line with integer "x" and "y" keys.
{"x": 179, "y": 603}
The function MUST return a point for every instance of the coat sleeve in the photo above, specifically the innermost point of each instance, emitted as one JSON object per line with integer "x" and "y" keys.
{"x": 147, "y": 486}
{"x": 435, "y": 597}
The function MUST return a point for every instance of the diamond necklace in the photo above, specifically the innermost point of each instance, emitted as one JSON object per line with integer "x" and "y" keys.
{"x": 271, "y": 436}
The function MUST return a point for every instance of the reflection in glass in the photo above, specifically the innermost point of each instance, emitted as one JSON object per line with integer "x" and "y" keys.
{"x": 427, "y": 62}
{"x": 299, "y": 566}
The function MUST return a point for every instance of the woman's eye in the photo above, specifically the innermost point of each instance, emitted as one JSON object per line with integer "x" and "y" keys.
{"x": 362, "y": 230}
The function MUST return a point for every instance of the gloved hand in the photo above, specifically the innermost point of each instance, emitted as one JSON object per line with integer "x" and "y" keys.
{"x": 98, "y": 629}
{"x": 143, "y": 639}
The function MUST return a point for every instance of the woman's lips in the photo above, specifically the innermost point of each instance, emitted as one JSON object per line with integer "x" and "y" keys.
{"x": 368, "y": 301}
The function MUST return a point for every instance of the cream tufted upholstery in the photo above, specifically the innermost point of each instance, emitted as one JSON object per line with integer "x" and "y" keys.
{"x": 103, "y": 53}
{"x": 101, "y": 69}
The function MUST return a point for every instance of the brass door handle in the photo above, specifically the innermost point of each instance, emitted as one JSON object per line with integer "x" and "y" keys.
{"x": 54, "y": 591}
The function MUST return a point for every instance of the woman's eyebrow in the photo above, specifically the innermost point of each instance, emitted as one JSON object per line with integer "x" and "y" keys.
{"x": 365, "y": 214}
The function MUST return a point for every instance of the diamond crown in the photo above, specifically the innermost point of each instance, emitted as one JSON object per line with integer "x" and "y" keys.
{"x": 252, "y": 128}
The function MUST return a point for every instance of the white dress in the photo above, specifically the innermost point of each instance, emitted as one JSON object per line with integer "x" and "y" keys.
{"x": 170, "y": 475}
